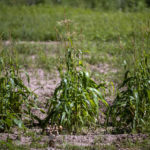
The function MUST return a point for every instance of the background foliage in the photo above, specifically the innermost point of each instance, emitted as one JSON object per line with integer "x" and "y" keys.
{"x": 99, "y": 4}
{"x": 38, "y": 23}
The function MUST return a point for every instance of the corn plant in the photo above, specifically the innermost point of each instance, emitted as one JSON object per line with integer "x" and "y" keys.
{"x": 131, "y": 109}
{"x": 75, "y": 102}
{"x": 76, "y": 99}
{"x": 15, "y": 98}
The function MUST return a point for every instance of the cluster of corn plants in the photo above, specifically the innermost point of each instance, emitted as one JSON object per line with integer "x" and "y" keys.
{"x": 130, "y": 110}
{"x": 15, "y": 98}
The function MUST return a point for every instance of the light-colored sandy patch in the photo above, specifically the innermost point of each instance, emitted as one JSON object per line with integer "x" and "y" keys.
{"x": 42, "y": 83}
{"x": 32, "y": 42}
{"x": 103, "y": 68}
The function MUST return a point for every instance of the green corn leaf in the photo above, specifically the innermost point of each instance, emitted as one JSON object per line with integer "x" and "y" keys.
{"x": 19, "y": 123}
{"x": 63, "y": 117}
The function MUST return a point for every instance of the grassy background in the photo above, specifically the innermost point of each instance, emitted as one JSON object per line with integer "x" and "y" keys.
{"x": 94, "y": 4}
{"x": 38, "y": 22}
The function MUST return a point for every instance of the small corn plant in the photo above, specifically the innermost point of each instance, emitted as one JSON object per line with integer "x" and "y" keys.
{"x": 130, "y": 110}
{"x": 13, "y": 93}
{"x": 75, "y": 102}
{"x": 76, "y": 99}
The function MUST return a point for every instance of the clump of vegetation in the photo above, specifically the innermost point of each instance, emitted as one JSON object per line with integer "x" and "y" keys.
{"x": 13, "y": 93}
{"x": 75, "y": 102}
{"x": 130, "y": 110}
{"x": 76, "y": 99}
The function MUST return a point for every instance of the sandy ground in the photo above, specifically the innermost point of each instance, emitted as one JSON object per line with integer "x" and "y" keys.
{"x": 33, "y": 42}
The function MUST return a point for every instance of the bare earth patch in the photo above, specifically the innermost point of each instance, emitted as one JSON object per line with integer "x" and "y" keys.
{"x": 33, "y": 42}
{"x": 103, "y": 68}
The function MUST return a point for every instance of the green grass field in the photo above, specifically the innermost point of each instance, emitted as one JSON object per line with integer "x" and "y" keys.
{"x": 38, "y": 23}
